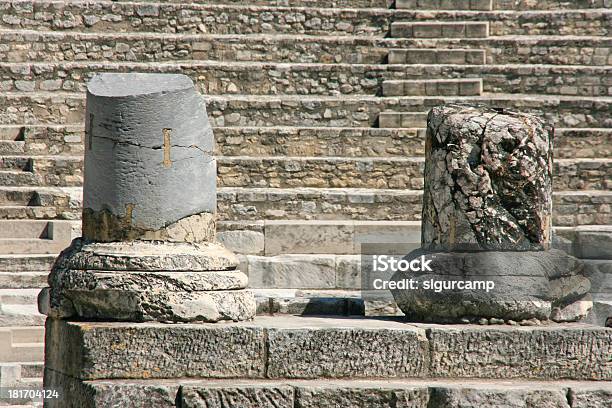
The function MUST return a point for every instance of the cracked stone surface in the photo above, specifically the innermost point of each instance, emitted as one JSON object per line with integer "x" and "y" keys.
{"x": 488, "y": 180}
{"x": 148, "y": 156}
{"x": 149, "y": 281}
{"x": 528, "y": 284}
{"x": 149, "y": 212}
{"x": 487, "y": 206}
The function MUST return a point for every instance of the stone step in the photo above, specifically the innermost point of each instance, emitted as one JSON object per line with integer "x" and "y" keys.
{"x": 27, "y": 263}
{"x": 239, "y": 19}
{"x": 41, "y": 141}
{"x": 22, "y": 344}
{"x": 482, "y": 5}
{"x": 15, "y": 163}
{"x": 368, "y": 172}
{"x": 394, "y": 173}
{"x": 18, "y": 196}
{"x": 25, "y": 279}
{"x": 18, "y": 296}
{"x": 314, "y": 347}
{"x": 309, "y": 302}
{"x": 479, "y": 5}
{"x": 11, "y": 134}
{"x": 10, "y": 147}
{"x": 22, "y": 212}
{"x": 436, "y": 56}
{"x": 34, "y": 236}
{"x": 399, "y": 119}
{"x": 223, "y": 77}
{"x": 440, "y": 29}
{"x": 25, "y": 229}
{"x": 40, "y": 203}
{"x": 344, "y": 237}
{"x": 18, "y": 178}
{"x": 54, "y": 171}
{"x": 21, "y": 315}
{"x": 433, "y": 87}
{"x": 570, "y": 208}
{"x": 339, "y": 393}
{"x": 329, "y": 111}
{"x": 322, "y": 141}
{"x": 27, "y": 46}
{"x": 287, "y": 3}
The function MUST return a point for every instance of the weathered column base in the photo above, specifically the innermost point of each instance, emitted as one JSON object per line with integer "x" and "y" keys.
{"x": 148, "y": 281}
{"x": 522, "y": 285}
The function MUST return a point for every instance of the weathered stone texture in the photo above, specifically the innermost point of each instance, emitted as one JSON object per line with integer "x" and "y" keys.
{"x": 145, "y": 135}
{"x": 321, "y": 79}
{"x": 126, "y": 17}
{"x": 91, "y": 351}
{"x": 73, "y": 46}
{"x": 347, "y": 352}
{"x": 329, "y": 393}
{"x": 488, "y": 180}
{"x": 145, "y": 256}
{"x": 361, "y": 396}
{"x": 350, "y": 111}
{"x": 458, "y": 397}
{"x": 256, "y": 396}
{"x": 527, "y": 284}
{"x": 576, "y": 352}
{"x": 132, "y": 281}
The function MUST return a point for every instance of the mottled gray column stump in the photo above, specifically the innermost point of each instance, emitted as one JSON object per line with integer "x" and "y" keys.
{"x": 148, "y": 251}
{"x": 487, "y": 207}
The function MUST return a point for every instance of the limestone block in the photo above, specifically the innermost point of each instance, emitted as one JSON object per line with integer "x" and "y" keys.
{"x": 590, "y": 396}
{"x": 595, "y": 243}
{"x": 90, "y": 351}
{"x": 557, "y": 351}
{"x": 256, "y": 396}
{"x": 488, "y": 396}
{"x": 286, "y": 237}
{"x": 292, "y": 271}
{"x": 361, "y": 395}
{"x": 348, "y": 272}
{"x": 75, "y": 393}
{"x": 353, "y": 352}
{"x": 488, "y": 180}
{"x": 148, "y": 155}
{"x": 242, "y": 242}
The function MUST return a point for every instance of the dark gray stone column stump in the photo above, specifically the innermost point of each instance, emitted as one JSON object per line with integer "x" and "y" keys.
{"x": 487, "y": 208}
{"x": 148, "y": 251}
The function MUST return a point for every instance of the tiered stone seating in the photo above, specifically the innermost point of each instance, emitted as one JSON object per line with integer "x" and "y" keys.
{"x": 319, "y": 109}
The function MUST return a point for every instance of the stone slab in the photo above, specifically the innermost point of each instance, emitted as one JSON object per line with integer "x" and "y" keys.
{"x": 248, "y": 393}
{"x": 153, "y": 350}
{"x": 326, "y": 347}
{"x": 565, "y": 351}
{"x": 292, "y": 271}
{"x": 341, "y": 348}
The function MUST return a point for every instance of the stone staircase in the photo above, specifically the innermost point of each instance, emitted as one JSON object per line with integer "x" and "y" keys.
{"x": 319, "y": 111}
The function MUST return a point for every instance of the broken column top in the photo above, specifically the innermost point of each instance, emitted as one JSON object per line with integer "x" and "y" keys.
{"x": 120, "y": 84}
{"x": 488, "y": 180}
{"x": 149, "y": 166}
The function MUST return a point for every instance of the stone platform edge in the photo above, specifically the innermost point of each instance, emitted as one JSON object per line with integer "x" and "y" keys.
{"x": 187, "y": 393}
{"x": 294, "y": 347}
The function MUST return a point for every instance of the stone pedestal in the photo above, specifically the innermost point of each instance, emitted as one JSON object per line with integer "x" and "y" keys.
{"x": 487, "y": 206}
{"x": 148, "y": 251}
